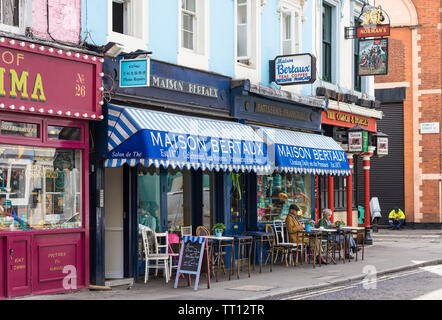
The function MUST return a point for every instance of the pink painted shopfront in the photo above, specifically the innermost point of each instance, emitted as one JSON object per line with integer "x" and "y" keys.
{"x": 48, "y": 96}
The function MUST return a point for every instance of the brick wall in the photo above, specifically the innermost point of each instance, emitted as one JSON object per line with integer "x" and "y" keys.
{"x": 422, "y": 73}
{"x": 64, "y": 19}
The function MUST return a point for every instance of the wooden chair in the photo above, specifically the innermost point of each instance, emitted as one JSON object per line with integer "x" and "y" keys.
{"x": 157, "y": 257}
{"x": 202, "y": 231}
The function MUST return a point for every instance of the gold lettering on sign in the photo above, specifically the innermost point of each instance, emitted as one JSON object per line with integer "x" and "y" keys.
{"x": 282, "y": 112}
{"x": 332, "y": 115}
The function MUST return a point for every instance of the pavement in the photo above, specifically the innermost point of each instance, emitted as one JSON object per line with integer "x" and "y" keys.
{"x": 392, "y": 251}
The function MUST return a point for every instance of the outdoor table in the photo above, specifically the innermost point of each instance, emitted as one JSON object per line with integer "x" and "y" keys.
{"x": 261, "y": 237}
{"x": 243, "y": 242}
{"x": 357, "y": 231}
{"x": 330, "y": 234}
{"x": 312, "y": 234}
{"x": 228, "y": 242}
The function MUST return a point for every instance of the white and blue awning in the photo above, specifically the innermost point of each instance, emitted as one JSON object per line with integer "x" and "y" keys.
{"x": 163, "y": 139}
{"x": 304, "y": 153}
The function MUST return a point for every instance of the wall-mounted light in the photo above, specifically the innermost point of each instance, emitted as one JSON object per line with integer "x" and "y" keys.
{"x": 112, "y": 49}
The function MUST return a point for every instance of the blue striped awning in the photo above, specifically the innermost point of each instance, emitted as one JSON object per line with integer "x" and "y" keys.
{"x": 301, "y": 152}
{"x": 163, "y": 139}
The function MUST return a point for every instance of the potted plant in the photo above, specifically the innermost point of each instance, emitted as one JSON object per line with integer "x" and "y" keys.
{"x": 339, "y": 224}
{"x": 219, "y": 228}
{"x": 308, "y": 224}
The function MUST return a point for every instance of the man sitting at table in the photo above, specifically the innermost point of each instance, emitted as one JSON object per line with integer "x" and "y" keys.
{"x": 327, "y": 224}
{"x": 294, "y": 226}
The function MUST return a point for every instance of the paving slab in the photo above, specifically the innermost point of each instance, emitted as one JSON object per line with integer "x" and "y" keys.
{"x": 408, "y": 250}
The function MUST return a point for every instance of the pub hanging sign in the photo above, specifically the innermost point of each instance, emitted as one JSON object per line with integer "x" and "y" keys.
{"x": 373, "y": 23}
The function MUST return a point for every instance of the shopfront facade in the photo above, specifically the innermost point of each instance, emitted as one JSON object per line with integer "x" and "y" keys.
{"x": 298, "y": 152}
{"x": 44, "y": 165}
{"x": 169, "y": 153}
{"x": 341, "y": 193}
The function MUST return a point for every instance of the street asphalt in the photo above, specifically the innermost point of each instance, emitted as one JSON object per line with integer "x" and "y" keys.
{"x": 392, "y": 251}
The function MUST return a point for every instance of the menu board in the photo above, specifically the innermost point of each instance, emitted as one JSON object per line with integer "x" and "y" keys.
{"x": 191, "y": 258}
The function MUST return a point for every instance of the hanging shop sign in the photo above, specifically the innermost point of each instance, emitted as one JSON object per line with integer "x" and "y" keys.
{"x": 377, "y": 31}
{"x": 373, "y": 57}
{"x": 31, "y": 80}
{"x": 382, "y": 146}
{"x": 294, "y": 69}
{"x": 373, "y": 23}
{"x": 358, "y": 141}
{"x": 134, "y": 72}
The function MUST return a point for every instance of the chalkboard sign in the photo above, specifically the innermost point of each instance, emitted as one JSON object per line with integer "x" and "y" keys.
{"x": 191, "y": 258}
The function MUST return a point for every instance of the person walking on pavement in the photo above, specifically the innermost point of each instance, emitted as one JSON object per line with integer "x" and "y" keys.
{"x": 396, "y": 218}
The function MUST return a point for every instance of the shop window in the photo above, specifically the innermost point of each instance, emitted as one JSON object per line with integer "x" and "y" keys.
{"x": 64, "y": 133}
{"x": 340, "y": 192}
{"x": 149, "y": 198}
{"x": 326, "y": 42}
{"x": 208, "y": 214}
{"x": 278, "y": 191}
{"x": 238, "y": 201}
{"x": 20, "y": 129}
{"x": 40, "y": 188}
{"x": 178, "y": 196}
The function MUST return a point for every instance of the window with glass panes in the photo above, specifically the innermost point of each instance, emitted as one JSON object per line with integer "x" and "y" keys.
{"x": 287, "y": 36}
{"x": 242, "y": 29}
{"x": 10, "y": 12}
{"x": 340, "y": 192}
{"x": 326, "y": 42}
{"x": 188, "y": 23}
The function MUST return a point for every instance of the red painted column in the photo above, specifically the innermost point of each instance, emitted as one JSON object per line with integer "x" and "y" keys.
{"x": 331, "y": 200}
{"x": 350, "y": 191}
{"x": 366, "y": 164}
{"x": 317, "y": 214}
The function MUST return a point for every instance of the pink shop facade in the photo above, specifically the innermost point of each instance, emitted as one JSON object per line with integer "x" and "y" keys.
{"x": 48, "y": 98}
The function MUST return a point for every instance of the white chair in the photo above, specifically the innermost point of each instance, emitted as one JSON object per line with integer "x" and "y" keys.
{"x": 157, "y": 257}
{"x": 280, "y": 232}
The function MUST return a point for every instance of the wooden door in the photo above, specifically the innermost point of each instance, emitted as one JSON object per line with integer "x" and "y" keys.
{"x": 18, "y": 253}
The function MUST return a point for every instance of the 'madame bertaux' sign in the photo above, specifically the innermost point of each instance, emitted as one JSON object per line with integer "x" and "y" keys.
{"x": 185, "y": 87}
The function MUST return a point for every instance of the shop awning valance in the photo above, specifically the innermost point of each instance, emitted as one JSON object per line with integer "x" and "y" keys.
{"x": 163, "y": 139}
{"x": 301, "y": 152}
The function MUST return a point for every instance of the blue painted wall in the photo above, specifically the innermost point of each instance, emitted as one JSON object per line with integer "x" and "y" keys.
{"x": 163, "y": 30}
{"x": 94, "y": 21}
{"x": 222, "y": 32}
{"x": 270, "y": 38}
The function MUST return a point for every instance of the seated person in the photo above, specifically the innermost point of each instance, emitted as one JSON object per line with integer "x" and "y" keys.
{"x": 327, "y": 224}
{"x": 396, "y": 218}
{"x": 293, "y": 226}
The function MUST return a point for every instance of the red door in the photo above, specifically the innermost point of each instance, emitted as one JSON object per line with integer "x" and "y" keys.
{"x": 2, "y": 268}
{"x": 18, "y": 265}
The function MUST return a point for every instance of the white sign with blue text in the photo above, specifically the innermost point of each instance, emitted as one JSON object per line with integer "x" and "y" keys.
{"x": 295, "y": 69}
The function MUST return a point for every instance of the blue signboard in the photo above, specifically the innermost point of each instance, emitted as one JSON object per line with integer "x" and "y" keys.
{"x": 170, "y": 146}
{"x": 135, "y": 73}
{"x": 312, "y": 158}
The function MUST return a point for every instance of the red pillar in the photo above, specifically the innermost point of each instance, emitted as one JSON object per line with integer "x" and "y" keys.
{"x": 366, "y": 164}
{"x": 331, "y": 200}
{"x": 350, "y": 191}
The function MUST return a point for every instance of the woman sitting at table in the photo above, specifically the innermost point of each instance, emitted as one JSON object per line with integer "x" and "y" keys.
{"x": 327, "y": 224}
{"x": 294, "y": 226}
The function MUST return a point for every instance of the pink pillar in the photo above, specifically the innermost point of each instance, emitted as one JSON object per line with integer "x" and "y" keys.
{"x": 350, "y": 191}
